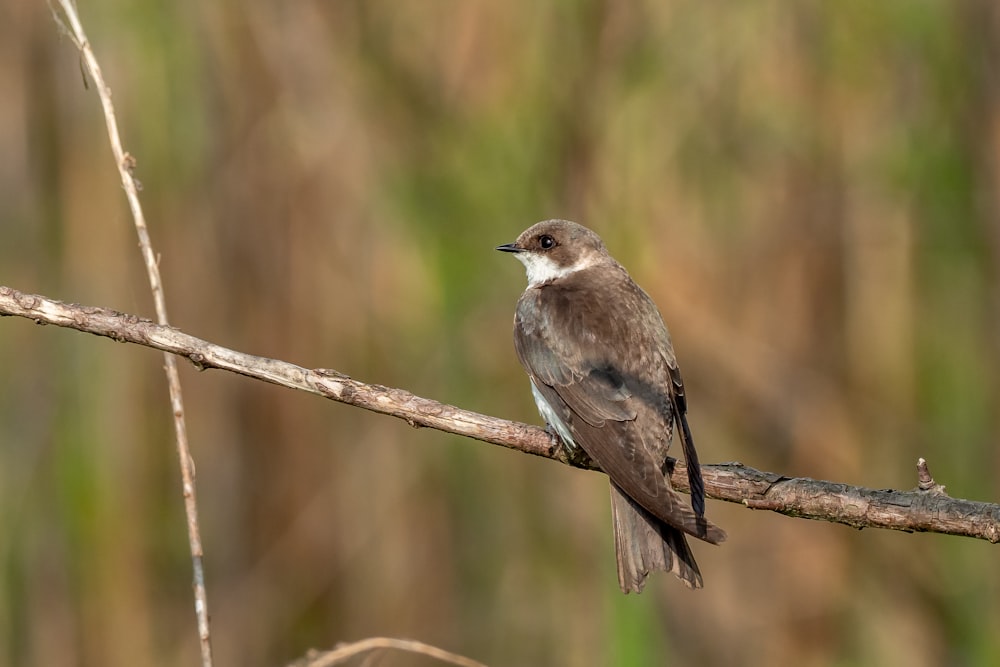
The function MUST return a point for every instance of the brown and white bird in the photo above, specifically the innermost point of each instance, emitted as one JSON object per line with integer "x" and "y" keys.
{"x": 605, "y": 379}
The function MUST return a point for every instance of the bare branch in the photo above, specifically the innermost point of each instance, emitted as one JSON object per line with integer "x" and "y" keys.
{"x": 918, "y": 510}
{"x": 342, "y": 653}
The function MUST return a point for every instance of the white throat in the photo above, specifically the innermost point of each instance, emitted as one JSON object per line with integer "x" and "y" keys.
{"x": 541, "y": 268}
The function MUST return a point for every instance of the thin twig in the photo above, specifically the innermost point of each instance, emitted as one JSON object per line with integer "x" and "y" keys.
{"x": 913, "y": 511}
{"x": 126, "y": 166}
{"x": 347, "y": 651}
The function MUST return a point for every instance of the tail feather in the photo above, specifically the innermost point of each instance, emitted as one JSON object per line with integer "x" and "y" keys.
{"x": 643, "y": 544}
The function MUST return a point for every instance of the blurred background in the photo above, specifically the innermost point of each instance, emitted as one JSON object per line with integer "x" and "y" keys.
{"x": 810, "y": 191}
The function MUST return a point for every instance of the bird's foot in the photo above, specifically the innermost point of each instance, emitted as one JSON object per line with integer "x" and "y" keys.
{"x": 575, "y": 456}
{"x": 555, "y": 441}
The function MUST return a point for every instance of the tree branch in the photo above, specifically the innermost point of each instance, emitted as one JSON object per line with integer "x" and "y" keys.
{"x": 924, "y": 509}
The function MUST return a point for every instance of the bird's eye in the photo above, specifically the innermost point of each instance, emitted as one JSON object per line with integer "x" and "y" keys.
{"x": 546, "y": 241}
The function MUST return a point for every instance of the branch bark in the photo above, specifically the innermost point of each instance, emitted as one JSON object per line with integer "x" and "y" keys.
{"x": 926, "y": 508}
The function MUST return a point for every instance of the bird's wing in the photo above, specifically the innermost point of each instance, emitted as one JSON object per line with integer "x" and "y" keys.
{"x": 621, "y": 421}
{"x": 596, "y": 392}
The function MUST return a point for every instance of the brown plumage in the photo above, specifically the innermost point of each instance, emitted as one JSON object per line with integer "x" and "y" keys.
{"x": 605, "y": 378}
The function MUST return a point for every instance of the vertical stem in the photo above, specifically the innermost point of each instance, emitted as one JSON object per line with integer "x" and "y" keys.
{"x": 126, "y": 165}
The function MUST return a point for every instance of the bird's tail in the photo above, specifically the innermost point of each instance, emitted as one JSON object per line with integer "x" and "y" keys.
{"x": 643, "y": 544}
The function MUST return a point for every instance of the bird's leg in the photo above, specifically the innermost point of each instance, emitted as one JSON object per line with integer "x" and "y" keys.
{"x": 579, "y": 458}
{"x": 574, "y": 455}
{"x": 555, "y": 442}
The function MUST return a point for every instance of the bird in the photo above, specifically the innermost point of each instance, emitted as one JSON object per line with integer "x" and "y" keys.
{"x": 605, "y": 380}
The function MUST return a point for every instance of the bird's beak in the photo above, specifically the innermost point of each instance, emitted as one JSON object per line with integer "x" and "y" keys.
{"x": 509, "y": 247}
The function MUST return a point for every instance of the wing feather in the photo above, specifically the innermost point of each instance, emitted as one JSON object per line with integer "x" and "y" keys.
{"x": 687, "y": 441}
{"x": 600, "y": 401}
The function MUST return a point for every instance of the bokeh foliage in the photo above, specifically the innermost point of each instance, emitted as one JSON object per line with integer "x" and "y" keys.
{"x": 809, "y": 190}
